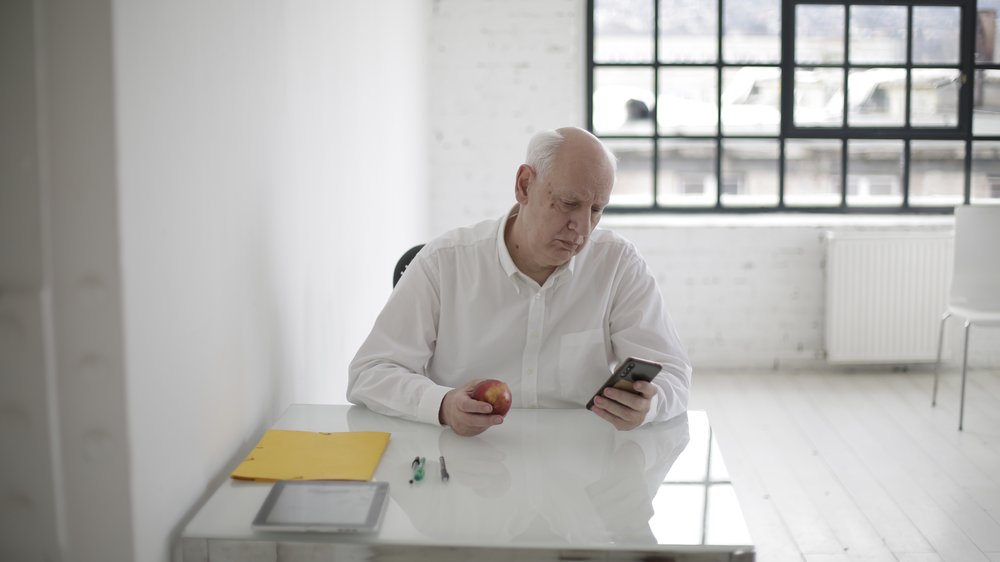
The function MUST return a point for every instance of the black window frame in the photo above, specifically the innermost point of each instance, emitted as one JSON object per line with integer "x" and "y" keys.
{"x": 963, "y": 131}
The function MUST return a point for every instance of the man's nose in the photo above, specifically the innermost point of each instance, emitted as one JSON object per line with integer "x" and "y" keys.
{"x": 579, "y": 221}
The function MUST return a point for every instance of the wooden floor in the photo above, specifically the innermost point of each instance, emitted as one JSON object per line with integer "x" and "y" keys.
{"x": 834, "y": 466}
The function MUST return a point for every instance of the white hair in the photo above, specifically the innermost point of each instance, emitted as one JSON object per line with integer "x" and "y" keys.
{"x": 542, "y": 150}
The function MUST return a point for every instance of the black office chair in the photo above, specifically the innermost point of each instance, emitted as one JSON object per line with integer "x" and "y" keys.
{"x": 403, "y": 262}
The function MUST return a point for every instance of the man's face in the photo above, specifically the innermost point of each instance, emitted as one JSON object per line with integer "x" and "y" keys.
{"x": 560, "y": 210}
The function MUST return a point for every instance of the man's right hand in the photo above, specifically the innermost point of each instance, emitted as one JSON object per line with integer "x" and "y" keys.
{"x": 465, "y": 415}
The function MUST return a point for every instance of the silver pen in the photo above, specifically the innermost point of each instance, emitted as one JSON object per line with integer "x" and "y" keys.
{"x": 444, "y": 471}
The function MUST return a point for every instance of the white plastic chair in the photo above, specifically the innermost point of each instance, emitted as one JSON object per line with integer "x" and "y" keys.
{"x": 975, "y": 281}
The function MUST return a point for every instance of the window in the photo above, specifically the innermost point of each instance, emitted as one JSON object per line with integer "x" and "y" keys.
{"x": 797, "y": 105}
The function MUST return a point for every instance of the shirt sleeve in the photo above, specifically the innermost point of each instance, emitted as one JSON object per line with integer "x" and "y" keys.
{"x": 641, "y": 327}
{"x": 388, "y": 373}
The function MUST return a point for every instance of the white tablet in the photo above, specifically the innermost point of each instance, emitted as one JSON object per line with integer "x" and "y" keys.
{"x": 324, "y": 506}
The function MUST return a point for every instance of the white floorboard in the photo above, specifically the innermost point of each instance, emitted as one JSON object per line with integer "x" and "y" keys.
{"x": 837, "y": 466}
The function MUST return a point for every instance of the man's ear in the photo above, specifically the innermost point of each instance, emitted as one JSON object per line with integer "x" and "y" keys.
{"x": 525, "y": 175}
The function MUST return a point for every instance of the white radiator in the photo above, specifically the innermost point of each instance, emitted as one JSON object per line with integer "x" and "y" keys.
{"x": 885, "y": 293}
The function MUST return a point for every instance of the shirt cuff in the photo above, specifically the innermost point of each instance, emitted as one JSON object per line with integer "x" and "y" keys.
{"x": 654, "y": 409}
{"x": 430, "y": 404}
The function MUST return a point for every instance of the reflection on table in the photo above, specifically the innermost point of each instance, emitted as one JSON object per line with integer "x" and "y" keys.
{"x": 543, "y": 481}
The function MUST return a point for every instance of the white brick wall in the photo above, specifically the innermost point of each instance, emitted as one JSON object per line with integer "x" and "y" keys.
{"x": 744, "y": 292}
{"x": 500, "y": 70}
{"x": 740, "y": 296}
{"x": 748, "y": 294}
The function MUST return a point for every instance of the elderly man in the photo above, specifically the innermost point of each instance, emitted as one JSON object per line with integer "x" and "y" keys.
{"x": 537, "y": 298}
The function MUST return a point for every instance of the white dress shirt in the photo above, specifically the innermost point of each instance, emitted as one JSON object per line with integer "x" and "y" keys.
{"x": 463, "y": 311}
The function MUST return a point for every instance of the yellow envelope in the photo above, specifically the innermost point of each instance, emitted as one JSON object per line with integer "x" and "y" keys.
{"x": 305, "y": 455}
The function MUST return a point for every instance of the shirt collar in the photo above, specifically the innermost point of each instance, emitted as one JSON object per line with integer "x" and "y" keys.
{"x": 507, "y": 262}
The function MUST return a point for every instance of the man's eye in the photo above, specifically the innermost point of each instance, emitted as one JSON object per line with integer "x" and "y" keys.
{"x": 596, "y": 210}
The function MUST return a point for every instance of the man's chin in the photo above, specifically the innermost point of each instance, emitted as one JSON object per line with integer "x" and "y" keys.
{"x": 563, "y": 256}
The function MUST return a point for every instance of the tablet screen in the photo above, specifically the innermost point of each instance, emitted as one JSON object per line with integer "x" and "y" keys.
{"x": 324, "y": 506}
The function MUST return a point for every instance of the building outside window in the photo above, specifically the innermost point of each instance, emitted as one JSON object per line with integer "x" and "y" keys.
{"x": 796, "y": 105}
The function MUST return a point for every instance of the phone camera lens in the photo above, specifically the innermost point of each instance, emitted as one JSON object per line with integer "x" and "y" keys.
{"x": 628, "y": 369}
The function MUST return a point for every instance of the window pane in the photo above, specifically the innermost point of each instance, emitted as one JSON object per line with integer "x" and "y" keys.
{"x": 724, "y": 522}
{"x": 936, "y": 31}
{"x": 692, "y": 464}
{"x": 986, "y": 103}
{"x": 986, "y": 172}
{"x": 678, "y": 513}
{"x": 689, "y": 31}
{"x": 686, "y": 175}
{"x": 986, "y": 31}
{"x": 751, "y": 100}
{"x": 623, "y": 30}
{"x": 749, "y": 173}
{"x": 693, "y": 99}
{"x": 623, "y": 101}
{"x": 688, "y": 101}
{"x": 874, "y": 172}
{"x": 751, "y": 31}
{"x": 937, "y": 172}
{"x": 877, "y": 34}
{"x": 819, "y": 34}
{"x": 876, "y": 97}
{"x": 819, "y": 97}
{"x": 934, "y": 97}
{"x": 812, "y": 172}
{"x": 634, "y": 182}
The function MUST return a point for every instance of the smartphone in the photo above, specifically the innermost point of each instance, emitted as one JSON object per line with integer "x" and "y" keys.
{"x": 629, "y": 371}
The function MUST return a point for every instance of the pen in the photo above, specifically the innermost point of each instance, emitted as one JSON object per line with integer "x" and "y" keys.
{"x": 418, "y": 468}
{"x": 444, "y": 471}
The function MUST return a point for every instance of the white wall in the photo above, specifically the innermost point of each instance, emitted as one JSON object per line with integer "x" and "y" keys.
{"x": 33, "y": 496}
{"x": 272, "y": 170}
{"x": 356, "y": 193}
{"x": 499, "y": 72}
{"x": 201, "y": 206}
{"x": 61, "y": 327}
{"x": 744, "y": 293}
{"x": 201, "y": 101}
{"x": 750, "y": 292}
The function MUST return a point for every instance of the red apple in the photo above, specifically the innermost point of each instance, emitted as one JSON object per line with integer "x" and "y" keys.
{"x": 494, "y": 392}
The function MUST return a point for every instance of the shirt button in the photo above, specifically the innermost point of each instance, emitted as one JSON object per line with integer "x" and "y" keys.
{"x": 531, "y": 371}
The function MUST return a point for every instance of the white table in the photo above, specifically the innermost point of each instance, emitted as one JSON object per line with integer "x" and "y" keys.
{"x": 544, "y": 485}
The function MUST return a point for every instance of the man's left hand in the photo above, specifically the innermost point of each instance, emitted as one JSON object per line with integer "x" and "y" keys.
{"x": 623, "y": 409}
